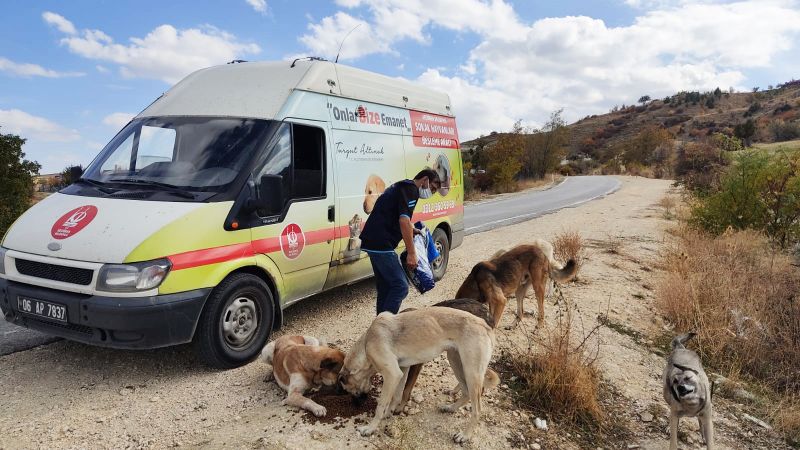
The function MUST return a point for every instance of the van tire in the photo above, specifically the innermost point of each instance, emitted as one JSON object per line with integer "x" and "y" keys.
{"x": 443, "y": 245}
{"x": 236, "y": 322}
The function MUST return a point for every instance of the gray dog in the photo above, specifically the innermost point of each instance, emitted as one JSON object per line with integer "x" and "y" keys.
{"x": 687, "y": 391}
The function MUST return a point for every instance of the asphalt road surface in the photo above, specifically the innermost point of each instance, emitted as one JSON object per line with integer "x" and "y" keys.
{"x": 478, "y": 217}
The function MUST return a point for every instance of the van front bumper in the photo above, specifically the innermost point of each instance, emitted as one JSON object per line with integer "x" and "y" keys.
{"x": 117, "y": 322}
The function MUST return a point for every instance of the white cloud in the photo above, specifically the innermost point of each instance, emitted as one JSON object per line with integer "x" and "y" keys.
{"x": 118, "y": 120}
{"x": 258, "y": 5}
{"x": 395, "y": 20}
{"x": 33, "y": 70}
{"x": 329, "y": 32}
{"x": 35, "y": 128}
{"x": 101, "y": 69}
{"x": 526, "y": 70}
{"x": 166, "y": 53}
{"x": 63, "y": 25}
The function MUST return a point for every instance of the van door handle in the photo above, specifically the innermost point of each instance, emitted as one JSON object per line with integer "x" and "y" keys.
{"x": 331, "y": 213}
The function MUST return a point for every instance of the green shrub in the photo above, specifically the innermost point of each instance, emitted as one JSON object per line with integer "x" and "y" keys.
{"x": 760, "y": 191}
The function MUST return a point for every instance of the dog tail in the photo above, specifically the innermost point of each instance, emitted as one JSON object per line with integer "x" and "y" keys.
{"x": 563, "y": 274}
{"x": 490, "y": 380}
{"x": 268, "y": 353}
{"x": 679, "y": 341}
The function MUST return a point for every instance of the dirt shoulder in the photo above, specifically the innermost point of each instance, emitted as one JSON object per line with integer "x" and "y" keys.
{"x": 68, "y": 395}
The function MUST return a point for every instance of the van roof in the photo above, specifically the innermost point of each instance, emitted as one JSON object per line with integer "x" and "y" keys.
{"x": 260, "y": 89}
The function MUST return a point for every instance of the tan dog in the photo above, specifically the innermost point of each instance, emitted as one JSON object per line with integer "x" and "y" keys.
{"x": 474, "y": 307}
{"x": 373, "y": 190}
{"x": 514, "y": 272}
{"x": 300, "y": 363}
{"x": 687, "y": 391}
{"x": 393, "y": 343}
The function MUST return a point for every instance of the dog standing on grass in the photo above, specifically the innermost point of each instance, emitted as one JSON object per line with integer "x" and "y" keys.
{"x": 300, "y": 363}
{"x": 687, "y": 391}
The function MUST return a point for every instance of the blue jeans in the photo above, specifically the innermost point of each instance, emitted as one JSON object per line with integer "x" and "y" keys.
{"x": 390, "y": 281}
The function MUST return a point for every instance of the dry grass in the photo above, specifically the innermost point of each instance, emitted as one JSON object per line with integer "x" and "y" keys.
{"x": 559, "y": 378}
{"x": 668, "y": 203}
{"x": 741, "y": 297}
{"x": 569, "y": 245}
{"x": 786, "y": 418}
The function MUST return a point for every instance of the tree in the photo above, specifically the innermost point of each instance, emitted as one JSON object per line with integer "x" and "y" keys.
{"x": 641, "y": 148}
{"x": 644, "y": 99}
{"x": 544, "y": 148}
{"x": 745, "y": 131}
{"x": 504, "y": 159}
{"x": 70, "y": 174}
{"x": 17, "y": 175}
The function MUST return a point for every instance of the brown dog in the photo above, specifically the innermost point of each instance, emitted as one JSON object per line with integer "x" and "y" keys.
{"x": 373, "y": 190}
{"x": 474, "y": 307}
{"x": 300, "y": 363}
{"x": 393, "y": 343}
{"x": 514, "y": 272}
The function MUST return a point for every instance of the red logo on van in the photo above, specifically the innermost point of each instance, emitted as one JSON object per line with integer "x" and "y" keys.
{"x": 73, "y": 221}
{"x": 292, "y": 241}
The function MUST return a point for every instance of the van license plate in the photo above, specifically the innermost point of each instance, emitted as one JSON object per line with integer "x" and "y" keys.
{"x": 42, "y": 308}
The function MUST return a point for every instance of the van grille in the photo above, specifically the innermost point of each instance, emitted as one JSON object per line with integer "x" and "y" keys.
{"x": 53, "y": 272}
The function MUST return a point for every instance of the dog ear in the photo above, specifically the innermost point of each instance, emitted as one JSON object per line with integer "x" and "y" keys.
{"x": 330, "y": 364}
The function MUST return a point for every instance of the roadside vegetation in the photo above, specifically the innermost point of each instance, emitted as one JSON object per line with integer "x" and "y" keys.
{"x": 16, "y": 175}
{"x": 732, "y": 272}
{"x": 555, "y": 373}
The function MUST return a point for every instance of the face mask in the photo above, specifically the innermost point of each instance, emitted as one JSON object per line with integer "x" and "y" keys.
{"x": 425, "y": 192}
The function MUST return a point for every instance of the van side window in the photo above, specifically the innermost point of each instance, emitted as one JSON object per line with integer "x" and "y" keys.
{"x": 297, "y": 155}
{"x": 309, "y": 162}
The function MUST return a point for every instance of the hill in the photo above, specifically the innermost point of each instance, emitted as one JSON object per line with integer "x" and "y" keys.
{"x": 688, "y": 116}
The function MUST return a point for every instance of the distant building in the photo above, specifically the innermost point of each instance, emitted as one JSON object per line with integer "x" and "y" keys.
{"x": 48, "y": 182}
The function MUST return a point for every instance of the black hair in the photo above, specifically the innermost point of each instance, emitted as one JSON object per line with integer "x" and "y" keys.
{"x": 433, "y": 177}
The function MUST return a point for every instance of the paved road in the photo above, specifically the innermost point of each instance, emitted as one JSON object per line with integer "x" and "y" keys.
{"x": 478, "y": 217}
{"x": 519, "y": 208}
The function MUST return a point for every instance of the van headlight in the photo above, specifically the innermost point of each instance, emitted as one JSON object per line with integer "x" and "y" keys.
{"x": 2, "y": 261}
{"x": 133, "y": 277}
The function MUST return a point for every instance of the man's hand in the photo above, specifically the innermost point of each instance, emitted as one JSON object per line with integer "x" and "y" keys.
{"x": 417, "y": 231}
{"x": 411, "y": 260}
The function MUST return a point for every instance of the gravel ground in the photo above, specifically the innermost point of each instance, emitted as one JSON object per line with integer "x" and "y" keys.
{"x": 69, "y": 395}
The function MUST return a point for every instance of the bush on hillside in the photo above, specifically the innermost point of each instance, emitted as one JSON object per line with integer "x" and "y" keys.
{"x": 699, "y": 165}
{"x": 761, "y": 191}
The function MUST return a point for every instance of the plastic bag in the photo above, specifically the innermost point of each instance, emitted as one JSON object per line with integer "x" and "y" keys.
{"x": 422, "y": 276}
{"x": 433, "y": 253}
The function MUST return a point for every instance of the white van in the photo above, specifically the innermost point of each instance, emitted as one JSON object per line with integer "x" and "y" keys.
{"x": 240, "y": 191}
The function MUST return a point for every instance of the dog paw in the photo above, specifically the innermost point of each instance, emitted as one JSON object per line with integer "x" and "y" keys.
{"x": 318, "y": 410}
{"x": 365, "y": 430}
{"x": 460, "y": 438}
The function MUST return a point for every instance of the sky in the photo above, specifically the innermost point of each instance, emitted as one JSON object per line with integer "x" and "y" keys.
{"x": 73, "y": 73}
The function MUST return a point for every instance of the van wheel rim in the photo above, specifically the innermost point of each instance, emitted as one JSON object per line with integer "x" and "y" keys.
{"x": 240, "y": 322}
{"x": 438, "y": 261}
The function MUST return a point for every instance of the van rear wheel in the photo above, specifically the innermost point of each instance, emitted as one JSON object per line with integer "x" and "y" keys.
{"x": 235, "y": 323}
{"x": 439, "y": 265}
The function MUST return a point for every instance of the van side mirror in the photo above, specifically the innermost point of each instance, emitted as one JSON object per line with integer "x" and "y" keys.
{"x": 270, "y": 195}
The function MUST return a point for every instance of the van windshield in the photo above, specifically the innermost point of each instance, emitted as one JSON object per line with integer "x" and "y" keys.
{"x": 180, "y": 153}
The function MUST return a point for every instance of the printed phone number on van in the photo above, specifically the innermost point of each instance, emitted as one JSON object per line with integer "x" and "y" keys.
{"x": 438, "y": 206}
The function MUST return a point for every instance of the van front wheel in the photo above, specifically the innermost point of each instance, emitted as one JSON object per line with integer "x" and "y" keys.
{"x": 439, "y": 265}
{"x": 235, "y": 323}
